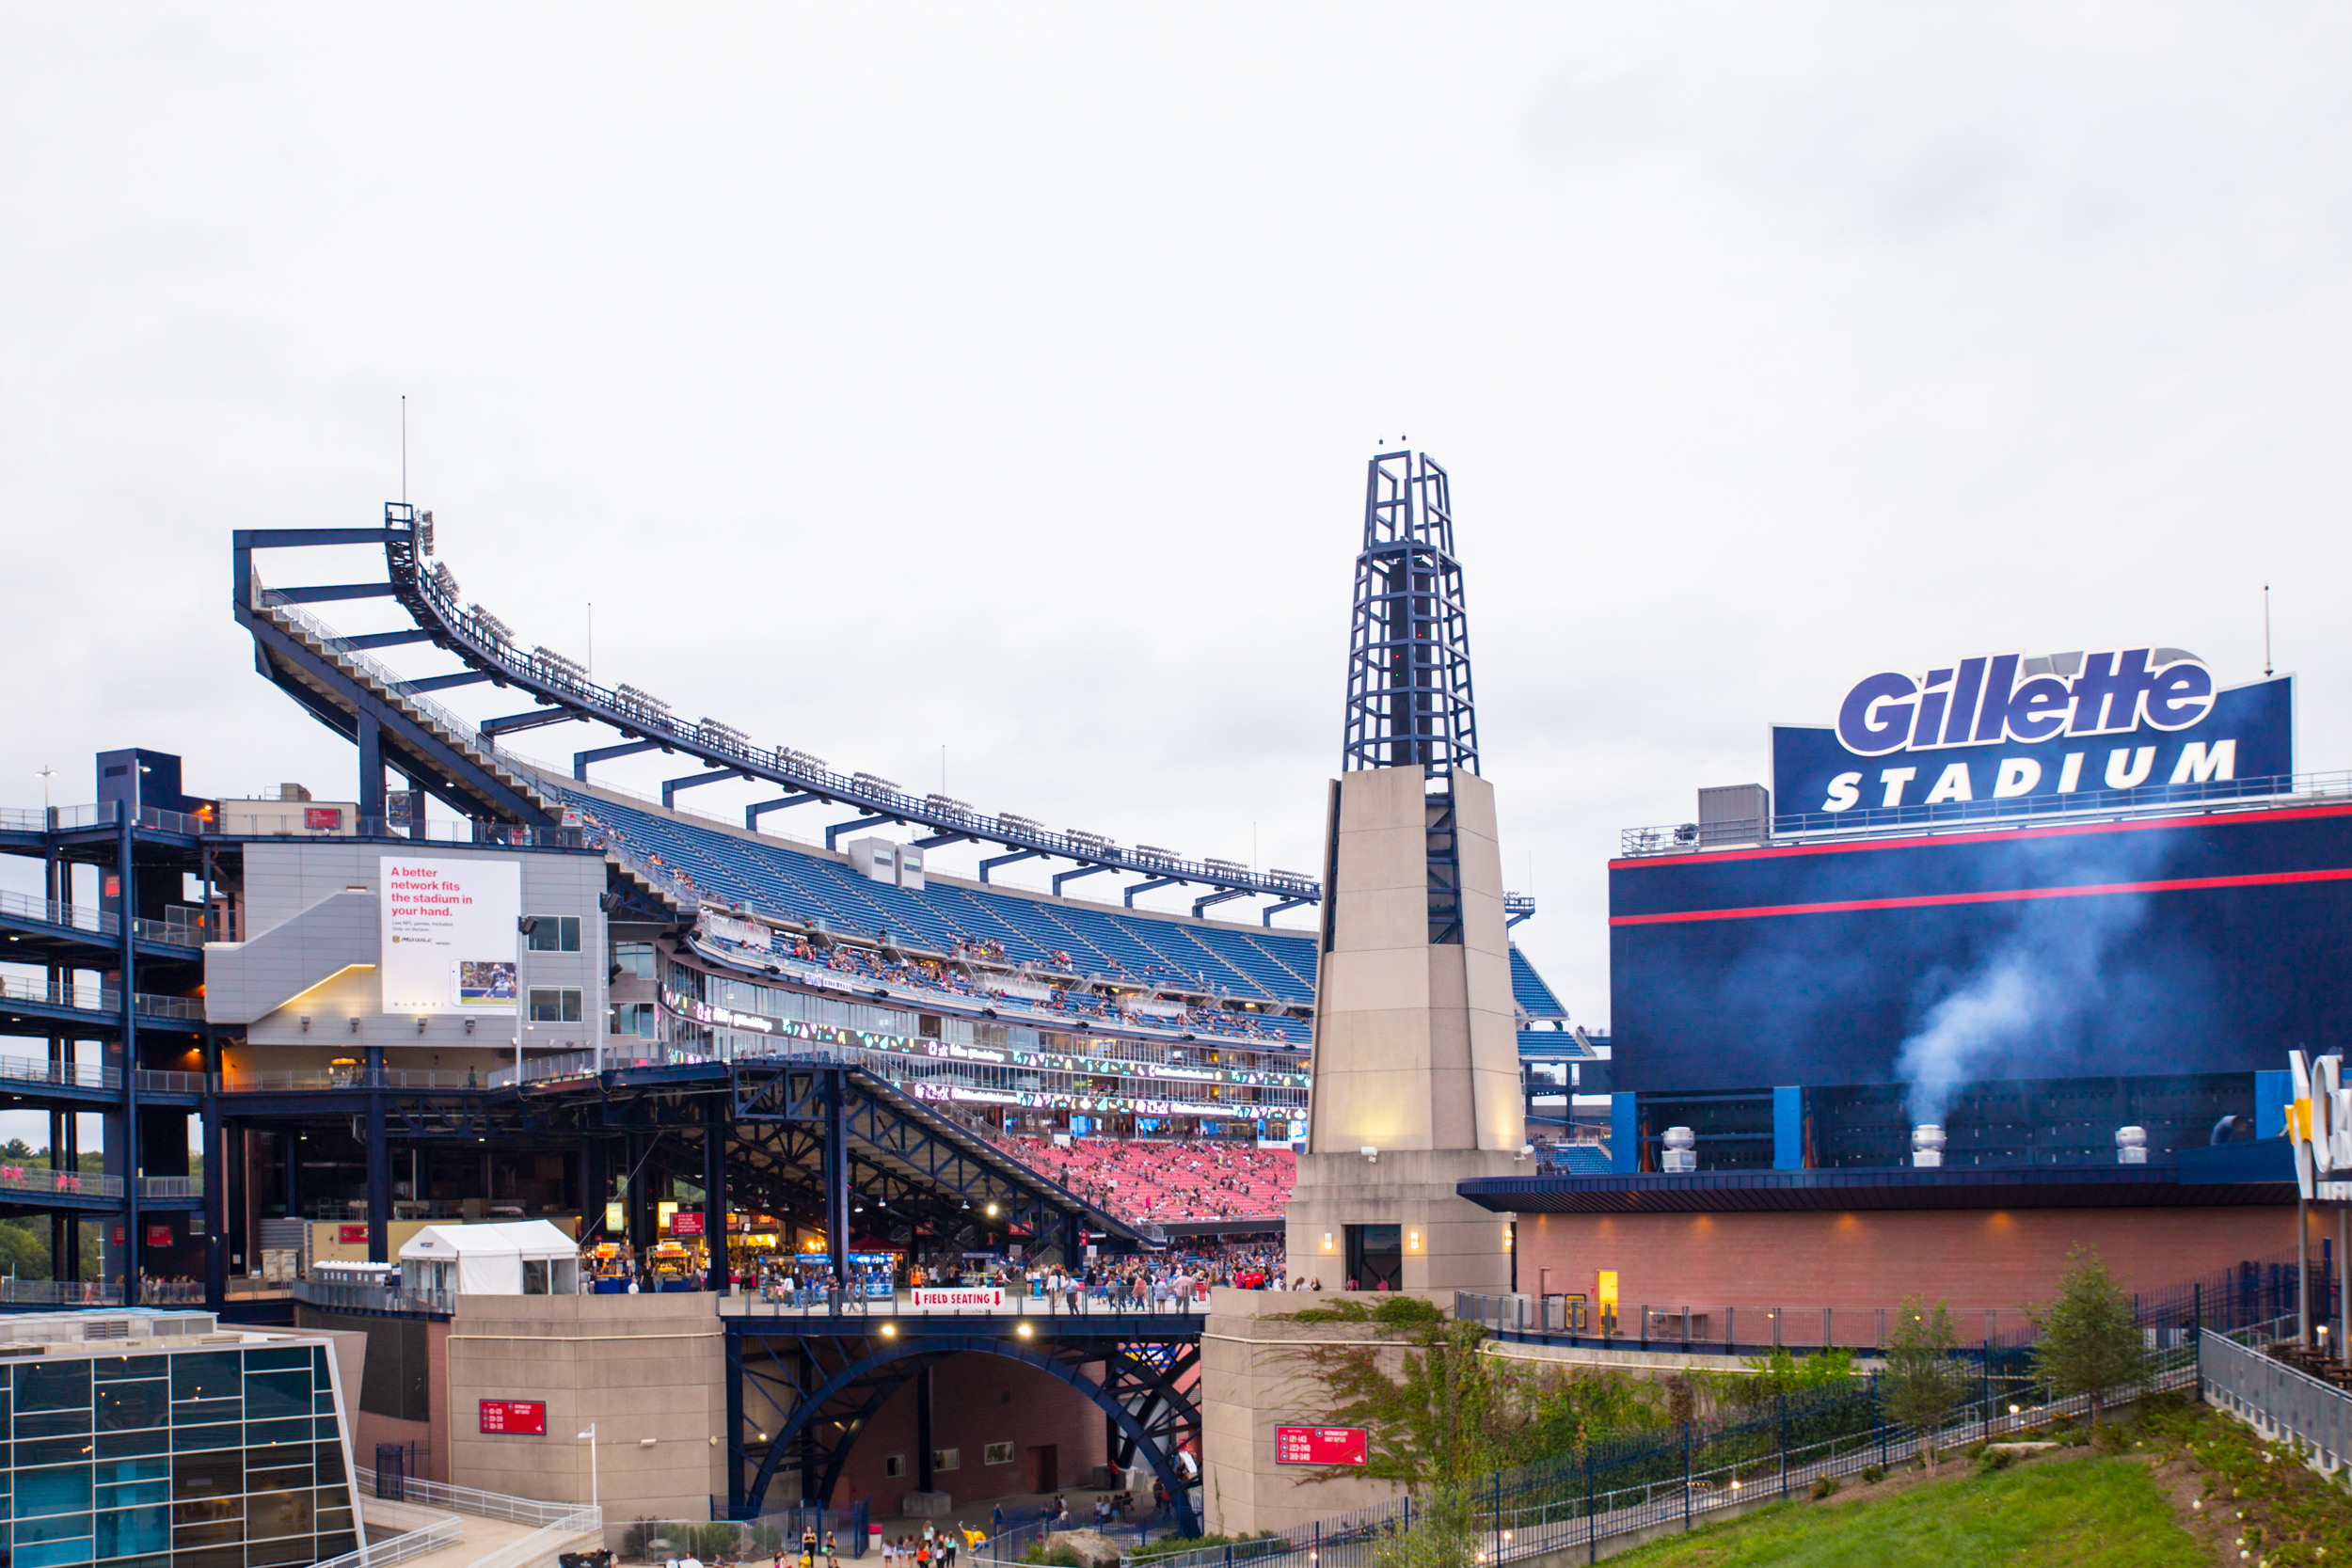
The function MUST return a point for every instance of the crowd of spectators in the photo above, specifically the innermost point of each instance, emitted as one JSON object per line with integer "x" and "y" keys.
{"x": 1162, "y": 1180}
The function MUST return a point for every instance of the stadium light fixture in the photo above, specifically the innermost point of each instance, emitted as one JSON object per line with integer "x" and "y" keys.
{"x": 1371, "y": 1154}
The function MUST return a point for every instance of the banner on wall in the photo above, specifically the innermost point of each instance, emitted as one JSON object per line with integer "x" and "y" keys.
{"x": 449, "y": 939}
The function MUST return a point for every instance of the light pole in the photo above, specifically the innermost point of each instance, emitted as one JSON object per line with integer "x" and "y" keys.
{"x": 524, "y": 926}
{"x": 589, "y": 1437}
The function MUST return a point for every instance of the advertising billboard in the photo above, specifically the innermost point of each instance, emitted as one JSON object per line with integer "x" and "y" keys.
{"x": 1973, "y": 736}
{"x": 449, "y": 939}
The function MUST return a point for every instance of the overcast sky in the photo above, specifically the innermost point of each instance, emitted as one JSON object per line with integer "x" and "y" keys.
{"x": 1000, "y": 379}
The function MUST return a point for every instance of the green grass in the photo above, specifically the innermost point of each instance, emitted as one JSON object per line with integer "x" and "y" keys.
{"x": 2087, "y": 1512}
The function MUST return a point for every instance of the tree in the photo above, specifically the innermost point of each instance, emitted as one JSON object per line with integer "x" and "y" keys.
{"x": 2091, "y": 1341}
{"x": 1922, "y": 1383}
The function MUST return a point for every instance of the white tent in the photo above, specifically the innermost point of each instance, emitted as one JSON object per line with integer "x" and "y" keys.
{"x": 526, "y": 1258}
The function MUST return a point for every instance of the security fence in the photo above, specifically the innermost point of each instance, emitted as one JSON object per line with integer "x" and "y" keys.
{"x": 2277, "y": 1400}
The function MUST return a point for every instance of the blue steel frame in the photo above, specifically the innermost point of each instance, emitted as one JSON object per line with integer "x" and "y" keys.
{"x": 826, "y": 1377}
{"x": 1409, "y": 702}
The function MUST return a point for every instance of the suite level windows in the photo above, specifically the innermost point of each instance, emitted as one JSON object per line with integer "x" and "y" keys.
{"x": 555, "y": 1004}
{"x": 633, "y": 1017}
{"x": 633, "y": 958}
{"x": 555, "y": 933}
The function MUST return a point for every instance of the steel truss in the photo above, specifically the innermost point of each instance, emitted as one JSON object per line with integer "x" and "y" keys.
{"x": 813, "y": 1388}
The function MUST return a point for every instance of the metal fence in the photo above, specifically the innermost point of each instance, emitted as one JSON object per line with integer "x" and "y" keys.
{"x": 2275, "y": 1398}
{"x": 1674, "y": 1477}
{"x": 2252, "y": 1292}
{"x": 59, "y": 1293}
{"x": 1683, "y": 838}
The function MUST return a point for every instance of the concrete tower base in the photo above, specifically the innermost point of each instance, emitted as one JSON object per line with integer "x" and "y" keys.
{"x": 1448, "y": 1242}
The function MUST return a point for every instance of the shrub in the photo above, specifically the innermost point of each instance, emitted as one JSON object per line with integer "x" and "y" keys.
{"x": 1997, "y": 1459}
{"x": 1873, "y": 1474}
{"x": 1823, "y": 1487}
{"x": 1052, "y": 1555}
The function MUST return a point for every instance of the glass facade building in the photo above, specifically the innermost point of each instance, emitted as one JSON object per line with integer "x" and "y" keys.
{"x": 147, "y": 1453}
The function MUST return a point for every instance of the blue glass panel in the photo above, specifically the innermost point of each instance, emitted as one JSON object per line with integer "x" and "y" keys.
{"x": 136, "y": 1494}
{"x": 135, "y": 1469}
{"x": 113, "y": 1368}
{"x": 323, "y": 1402}
{"x": 128, "y": 1406}
{"x": 57, "y": 1526}
{"x": 270, "y": 1514}
{"x": 208, "y": 1475}
{"x": 52, "y": 1423}
{"x": 113, "y": 1445}
{"x": 52, "y": 1450}
{"x": 133, "y": 1530}
{"x": 275, "y": 1479}
{"x": 54, "y": 1554}
{"x": 325, "y": 1430}
{"x": 63, "y": 1490}
{"x": 212, "y": 1557}
{"x": 296, "y": 1431}
{"x": 219, "y": 1532}
{"x": 153, "y": 1559}
{"x": 53, "y": 1386}
{"x": 330, "y": 1464}
{"x": 188, "y": 1413}
{"x": 278, "y": 1358}
{"x": 206, "y": 1375}
{"x": 287, "y": 1551}
{"x": 336, "y": 1546}
{"x": 226, "y": 1436}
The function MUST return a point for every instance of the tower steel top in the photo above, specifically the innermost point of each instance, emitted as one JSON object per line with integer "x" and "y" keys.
{"x": 1408, "y": 671}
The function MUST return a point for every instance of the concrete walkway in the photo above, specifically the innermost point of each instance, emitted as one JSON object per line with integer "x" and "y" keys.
{"x": 481, "y": 1536}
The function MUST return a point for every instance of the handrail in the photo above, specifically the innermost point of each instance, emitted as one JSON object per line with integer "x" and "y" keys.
{"x": 401, "y": 1547}
{"x": 2271, "y": 792}
{"x": 98, "y": 999}
{"x": 300, "y": 1079}
{"x": 468, "y": 1499}
{"x": 41, "y": 1179}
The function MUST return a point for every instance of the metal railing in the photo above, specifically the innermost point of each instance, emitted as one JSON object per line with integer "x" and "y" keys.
{"x": 41, "y": 1179}
{"x": 81, "y": 917}
{"x": 164, "y": 1081}
{"x": 59, "y": 1293}
{"x": 1674, "y": 1476}
{"x": 467, "y": 1500}
{"x": 833, "y": 1302}
{"x": 170, "y": 1186}
{"x": 2275, "y": 1398}
{"x": 300, "y": 1079}
{"x": 2268, "y": 793}
{"x": 64, "y": 1075}
{"x": 372, "y": 1298}
{"x": 83, "y": 997}
{"x": 401, "y": 1547}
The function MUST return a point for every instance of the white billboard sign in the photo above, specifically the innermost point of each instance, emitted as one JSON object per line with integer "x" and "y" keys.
{"x": 449, "y": 939}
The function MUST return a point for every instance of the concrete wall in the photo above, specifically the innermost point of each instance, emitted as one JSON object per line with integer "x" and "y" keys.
{"x": 1256, "y": 1375}
{"x": 975, "y": 1400}
{"x": 1976, "y": 1259}
{"x": 640, "y": 1367}
{"x": 305, "y": 880}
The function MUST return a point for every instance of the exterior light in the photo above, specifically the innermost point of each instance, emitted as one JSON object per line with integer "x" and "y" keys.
{"x": 1023, "y": 1331}
{"x": 890, "y": 1331}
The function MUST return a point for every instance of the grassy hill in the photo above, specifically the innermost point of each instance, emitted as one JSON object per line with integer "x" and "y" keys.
{"x": 2091, "y": 1510}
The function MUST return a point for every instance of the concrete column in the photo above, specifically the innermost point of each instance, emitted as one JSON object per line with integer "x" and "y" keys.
{"x": 379, "y": 1163}
{"x": 715, "y": 1135}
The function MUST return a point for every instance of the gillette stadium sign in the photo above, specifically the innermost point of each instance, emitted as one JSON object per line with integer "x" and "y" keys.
{"x": 1995, "y": 727}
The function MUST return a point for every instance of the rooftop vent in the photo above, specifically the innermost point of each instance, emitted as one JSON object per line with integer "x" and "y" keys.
{"x": 1681, "y": 1155}
{"x": 2131, "y": 1145}
{"x": 1926, "y": 1145}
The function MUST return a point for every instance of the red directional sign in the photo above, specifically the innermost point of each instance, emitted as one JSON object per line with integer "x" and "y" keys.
{"x": 1320, "y": 1446}
{"x": 683, "y": 1223}
{"x": 519, "y": 1418}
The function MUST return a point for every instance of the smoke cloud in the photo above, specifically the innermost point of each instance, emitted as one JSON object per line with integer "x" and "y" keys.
{"x": 2039, "y": 1005}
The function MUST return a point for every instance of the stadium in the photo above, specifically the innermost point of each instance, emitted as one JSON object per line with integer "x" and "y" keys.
{"x": 718, "y": 1057}
{"x": 1895, "y": 1023}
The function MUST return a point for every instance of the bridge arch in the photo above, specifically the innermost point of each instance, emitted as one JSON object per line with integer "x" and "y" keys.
{"x": 817, "y": 1405}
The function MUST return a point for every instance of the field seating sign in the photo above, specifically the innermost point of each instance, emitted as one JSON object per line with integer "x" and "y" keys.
{"x": 514, "y": 1417}
{"x": 1322, "y": 1446}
